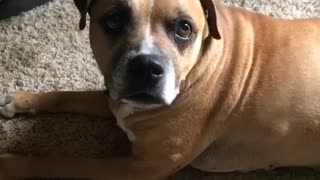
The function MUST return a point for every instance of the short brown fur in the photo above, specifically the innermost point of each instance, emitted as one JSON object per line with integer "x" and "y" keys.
{"x": 248, "y": 101}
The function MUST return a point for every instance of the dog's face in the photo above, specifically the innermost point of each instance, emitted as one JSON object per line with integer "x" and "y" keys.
{"x": 146, "y": 48}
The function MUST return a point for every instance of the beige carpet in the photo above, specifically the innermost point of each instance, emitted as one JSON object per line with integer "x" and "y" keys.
{"x": 43, "y": 50}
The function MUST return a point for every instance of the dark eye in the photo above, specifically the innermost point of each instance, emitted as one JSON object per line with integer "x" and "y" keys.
{"x": 117, "y": 19}
{"x": 184, "y": 30}
{"x": 114, "y": 22}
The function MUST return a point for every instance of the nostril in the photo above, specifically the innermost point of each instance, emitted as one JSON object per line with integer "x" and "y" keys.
{"x": 157, "y": 71}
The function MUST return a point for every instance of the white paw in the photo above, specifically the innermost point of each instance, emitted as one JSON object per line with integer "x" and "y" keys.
{"x": 7, "y": 107}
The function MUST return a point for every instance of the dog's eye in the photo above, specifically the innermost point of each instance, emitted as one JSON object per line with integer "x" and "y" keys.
{"x": 184, "y": 30}
{"x": 117, "y": 19}
{"x": 114, "y": 22}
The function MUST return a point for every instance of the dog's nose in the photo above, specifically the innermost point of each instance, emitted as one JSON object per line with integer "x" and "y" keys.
{"x": 146, "y": 68}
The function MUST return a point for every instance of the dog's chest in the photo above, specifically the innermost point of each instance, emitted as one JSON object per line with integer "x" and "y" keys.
{"x": 121, "y": 113}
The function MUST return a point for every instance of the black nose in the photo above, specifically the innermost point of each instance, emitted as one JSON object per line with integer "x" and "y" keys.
{"x": 146, "y": 68}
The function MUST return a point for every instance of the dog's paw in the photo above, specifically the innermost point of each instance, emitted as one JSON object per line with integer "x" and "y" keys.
{"x": 7, "y": 107}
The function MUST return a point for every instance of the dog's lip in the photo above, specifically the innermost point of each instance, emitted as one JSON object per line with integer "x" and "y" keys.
{"x": 144, "y": 99}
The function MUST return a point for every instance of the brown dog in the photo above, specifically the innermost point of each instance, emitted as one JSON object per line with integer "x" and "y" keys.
{"x": 190, "y": 82}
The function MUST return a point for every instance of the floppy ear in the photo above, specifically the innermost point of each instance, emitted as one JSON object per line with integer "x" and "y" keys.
{"x": 211, "y": 15}
{"x": 83, "y": 6}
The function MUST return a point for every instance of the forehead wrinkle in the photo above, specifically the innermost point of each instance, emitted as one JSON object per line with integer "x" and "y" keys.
{"x": 164, "y": 9}
{"x": 100, "y": 7}
{"x": 170, "y": 7}
{"x": 140, "y": 5}
{"x": 141, "y": 12}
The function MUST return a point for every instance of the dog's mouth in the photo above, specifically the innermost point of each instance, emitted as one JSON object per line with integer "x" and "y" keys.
{"x": 138, "y": 98}
{"x": 145, "y": 98}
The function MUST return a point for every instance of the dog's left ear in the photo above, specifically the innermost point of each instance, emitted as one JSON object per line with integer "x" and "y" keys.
{"x": 83, "y": 6}
{"x": 211, "y": 14}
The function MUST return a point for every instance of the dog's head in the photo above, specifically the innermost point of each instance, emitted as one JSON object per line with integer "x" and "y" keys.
{"x": 146, "y": 48}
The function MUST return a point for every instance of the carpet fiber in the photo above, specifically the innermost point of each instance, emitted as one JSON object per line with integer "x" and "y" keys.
{"x": 43, "y": 50}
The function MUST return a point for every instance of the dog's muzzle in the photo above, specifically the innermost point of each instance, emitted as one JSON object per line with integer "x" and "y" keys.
{"x": 143, "y": 80}
{"x": 146, "y": 79}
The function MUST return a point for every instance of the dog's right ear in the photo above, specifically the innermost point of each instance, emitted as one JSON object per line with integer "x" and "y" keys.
{"x": 83, "y": 6}
{"x": 211, "y": 15}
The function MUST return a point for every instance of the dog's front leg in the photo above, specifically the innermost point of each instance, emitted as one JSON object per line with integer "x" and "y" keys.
{"x": 88, "y": 102}
{"x": 16, "y": 167}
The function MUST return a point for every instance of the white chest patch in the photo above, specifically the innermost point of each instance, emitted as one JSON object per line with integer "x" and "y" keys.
{"x": 151, "y": 4}
{"x": 123, "y": 112}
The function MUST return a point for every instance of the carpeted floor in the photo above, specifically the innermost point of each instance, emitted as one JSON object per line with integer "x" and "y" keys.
{"x": 43, "y": 50}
